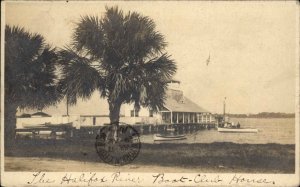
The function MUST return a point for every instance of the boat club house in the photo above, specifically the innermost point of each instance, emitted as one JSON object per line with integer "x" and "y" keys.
{"x": 183, "y": 110}
{"x": 179, "y": 109}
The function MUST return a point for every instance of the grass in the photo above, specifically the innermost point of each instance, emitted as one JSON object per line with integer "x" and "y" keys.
{"x": 218, "y": 157}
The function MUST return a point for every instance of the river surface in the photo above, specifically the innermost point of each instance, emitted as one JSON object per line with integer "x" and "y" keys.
{"x": 274, "y": 130}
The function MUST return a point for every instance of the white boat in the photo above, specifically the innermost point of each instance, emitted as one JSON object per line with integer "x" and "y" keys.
{"x": 227, "y": 126}
{"x": 42, "y": 125}
{"x": 237, "y": 130}
{"x": 47, "y": 125}
{"x": 170, "y": 129}
{"x": 70, "y": 124}
{"x": 159, "y": 137}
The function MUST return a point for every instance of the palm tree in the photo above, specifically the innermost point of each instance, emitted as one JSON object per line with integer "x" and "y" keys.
{"x": 29, "y": 74}
{"x": 120, "y": 55}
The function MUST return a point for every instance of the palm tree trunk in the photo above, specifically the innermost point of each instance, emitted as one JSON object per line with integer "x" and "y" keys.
{"x": 10, "y": 123}
{"x": 114, "y": 111}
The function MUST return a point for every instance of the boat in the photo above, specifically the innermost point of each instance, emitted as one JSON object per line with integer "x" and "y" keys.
{"x": 170, "y": 129}
{"x": 47, "y": 125}
{"x": 159, "y": 137}
{"x": 224, "y": 125}
{"x": 70, "y": 124}
{"x": 26, "y": 125}
{"x": 237, "y": 130}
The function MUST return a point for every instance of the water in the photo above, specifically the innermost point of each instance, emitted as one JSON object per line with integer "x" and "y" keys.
{"x": 275, "y": 130}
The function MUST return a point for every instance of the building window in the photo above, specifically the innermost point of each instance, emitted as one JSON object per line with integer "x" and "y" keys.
{"x": 150, "y": 113}
{"x": 174, "y": 120}
{"x": 185, "y": 117}
{"x": 180, "y": 117}
{"x": 134, "y": 113}
{"x": 94, "y": 120}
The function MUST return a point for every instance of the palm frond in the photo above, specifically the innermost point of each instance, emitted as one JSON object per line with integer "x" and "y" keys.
{"x": 88, "y": 36}
{"x": 161, "y": 67}
{"x": 29, "y": 69}
{"x": 128, "y": 51}
{"x": 142, "y": 38}
{"x": 78, "y": 78}
{"x": 22, "y": 46}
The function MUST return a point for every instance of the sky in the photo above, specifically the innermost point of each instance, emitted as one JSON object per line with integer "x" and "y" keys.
{"x": 252, "y": 47}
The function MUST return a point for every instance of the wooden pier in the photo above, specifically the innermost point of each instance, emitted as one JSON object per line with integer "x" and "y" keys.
{"x": 179, "y": 128}
{"x": 144, "y": 129}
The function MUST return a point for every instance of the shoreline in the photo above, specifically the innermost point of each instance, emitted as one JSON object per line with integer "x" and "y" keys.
{"x": 167, "y": 157}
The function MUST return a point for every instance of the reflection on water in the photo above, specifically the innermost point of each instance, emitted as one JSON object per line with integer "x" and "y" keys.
{"x": 280, "y": 131}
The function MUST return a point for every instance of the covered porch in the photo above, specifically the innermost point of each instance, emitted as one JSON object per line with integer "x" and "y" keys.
{"x": 170, "y": 117}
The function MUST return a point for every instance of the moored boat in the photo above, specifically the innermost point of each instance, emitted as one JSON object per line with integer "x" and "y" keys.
{"x": 26, "y": 125}
{"x": 224, "y": 125}
{"x": 70, "y": 124}
{"x": 170, "y": 129}
{"x": 47, "y": 125}
{"x": 159, "y": 137}
{"x": 237, "y": 130}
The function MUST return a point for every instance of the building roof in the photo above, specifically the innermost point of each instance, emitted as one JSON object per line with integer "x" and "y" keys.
{"x": 43, "y": 114}
{"x": 183, "y": 105}
{"x": 24, "y": 115}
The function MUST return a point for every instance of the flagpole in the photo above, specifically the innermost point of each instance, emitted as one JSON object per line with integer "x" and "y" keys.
{"x": 224, "y": 108}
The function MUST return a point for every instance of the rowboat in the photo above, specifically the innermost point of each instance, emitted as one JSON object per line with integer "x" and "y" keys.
{"x": 159, "y": 137}
{"x": 237, "y": 130}
{"x": 170, "y": 129}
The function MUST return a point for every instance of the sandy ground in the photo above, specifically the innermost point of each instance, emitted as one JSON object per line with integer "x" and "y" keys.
{"x": 48, "y": 164}
{"x": 215, "y": 157}
{"x": 60, "y": 165}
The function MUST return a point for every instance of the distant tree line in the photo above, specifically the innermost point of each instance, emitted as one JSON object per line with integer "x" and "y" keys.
{"x": 264, "y": 115}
